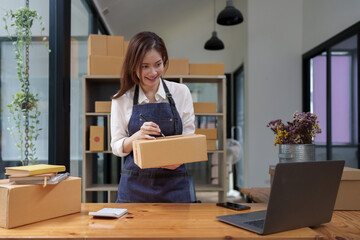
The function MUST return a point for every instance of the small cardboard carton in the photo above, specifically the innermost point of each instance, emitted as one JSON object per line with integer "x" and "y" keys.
{"x": 348, "y": 197}
{"x": 97, "y": 45}
{"x": 210, "y": 133}
{"x": 24, "y": 204}
{"x": 170, "y": 150}
{"x": 206, "y": 68}
{"x": 96, "y": 138}
{"x": 211, "y": 145}
{"x": 178, "y": 67}
{"x": 102, "y": 106}
{"x": 115, "y": 46}
{"x": 105, "y": 65}
{"x": 205, "y": 107}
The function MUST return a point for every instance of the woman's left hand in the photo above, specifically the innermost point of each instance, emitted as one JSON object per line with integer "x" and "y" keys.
{"x": 171, "y": 167}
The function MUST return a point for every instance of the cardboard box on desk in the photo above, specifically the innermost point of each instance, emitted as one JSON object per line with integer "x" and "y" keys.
{"x": 24, "y": 204}
{"x": 170, "y": 150}
{"x": 348, "y": 197}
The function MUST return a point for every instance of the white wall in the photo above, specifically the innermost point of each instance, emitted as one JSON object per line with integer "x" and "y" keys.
{"x": 325, "y": 18}
{"x": 272, "y": 79}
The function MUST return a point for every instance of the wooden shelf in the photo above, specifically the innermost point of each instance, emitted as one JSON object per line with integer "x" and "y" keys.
{"x": 94, "y": 114}
{"x": 100, "y": 88}
{"x": 90, "y": 152}
{"x": 210, "y": 114}
{"x": 102, "y": 187}
{"x": 197, "y": 78}
{"x": 208, "y": 188}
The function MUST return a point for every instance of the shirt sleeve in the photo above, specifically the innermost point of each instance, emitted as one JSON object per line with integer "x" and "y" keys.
{"x": 188, "y": 116}
{"x": 119, "y": 130}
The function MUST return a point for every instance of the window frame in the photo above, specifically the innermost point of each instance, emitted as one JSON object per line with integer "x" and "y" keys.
{"x": 326, "y": 47}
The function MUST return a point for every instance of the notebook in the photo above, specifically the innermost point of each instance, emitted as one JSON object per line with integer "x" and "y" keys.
{"x": 302, "y": 194}
{"x": 34, "y": 169}
{"x": 109, "y": 212}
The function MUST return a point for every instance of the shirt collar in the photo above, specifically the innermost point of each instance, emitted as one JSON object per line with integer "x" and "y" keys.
{"x": 160, "y": 94}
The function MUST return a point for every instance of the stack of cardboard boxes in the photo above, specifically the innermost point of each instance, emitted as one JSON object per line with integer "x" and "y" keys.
{"x": 106, "y": 54}
{"x": 183, "y": 67}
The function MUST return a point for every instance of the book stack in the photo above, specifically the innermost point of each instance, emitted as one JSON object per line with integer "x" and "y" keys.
{"x": 36, "y": 174}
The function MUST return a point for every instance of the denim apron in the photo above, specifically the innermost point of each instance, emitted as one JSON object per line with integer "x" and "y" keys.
{"x": 153, "y": 184}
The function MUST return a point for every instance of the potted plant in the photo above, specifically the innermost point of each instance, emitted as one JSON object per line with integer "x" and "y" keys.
{"x": 24, "y": 125}
{"x": 295, "y": 138}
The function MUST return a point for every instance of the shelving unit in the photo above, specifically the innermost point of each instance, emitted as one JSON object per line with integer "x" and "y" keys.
{"x": 208, "y": 176}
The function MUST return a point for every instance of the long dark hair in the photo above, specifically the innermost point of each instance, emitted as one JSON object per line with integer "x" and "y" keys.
{"x": 139, "y": 45}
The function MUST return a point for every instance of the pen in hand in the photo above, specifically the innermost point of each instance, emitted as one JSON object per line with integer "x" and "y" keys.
{"x": 142, "y": 116}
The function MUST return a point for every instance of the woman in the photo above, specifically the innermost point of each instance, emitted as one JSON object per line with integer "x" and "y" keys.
{"x": 167, "y": 108}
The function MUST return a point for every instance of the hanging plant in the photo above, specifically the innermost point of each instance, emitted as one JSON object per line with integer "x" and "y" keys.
{"x": 24, "y": 112}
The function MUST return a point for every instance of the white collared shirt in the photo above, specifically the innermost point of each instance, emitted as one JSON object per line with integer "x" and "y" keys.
{"x": 121, "y": 111}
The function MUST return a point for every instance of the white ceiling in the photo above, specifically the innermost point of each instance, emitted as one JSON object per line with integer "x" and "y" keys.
{"x": 184, "y": 25}
{"x": 124, "y": 17}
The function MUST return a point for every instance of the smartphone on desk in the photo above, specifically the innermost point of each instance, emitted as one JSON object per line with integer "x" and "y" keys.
{"x": 234, "y": 206}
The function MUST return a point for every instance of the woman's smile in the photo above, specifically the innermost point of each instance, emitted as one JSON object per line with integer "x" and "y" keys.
{"x": 152, "y": 67}
{"x": 152, "y": 79}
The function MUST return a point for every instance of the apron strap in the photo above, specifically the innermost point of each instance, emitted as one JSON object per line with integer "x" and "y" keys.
{"x": 173, "y": 108}
{"x": 171, "y": 101}
{"x": 136, "y": 95}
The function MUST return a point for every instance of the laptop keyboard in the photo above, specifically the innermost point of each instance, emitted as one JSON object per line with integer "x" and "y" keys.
{"x": 256, "y": 223}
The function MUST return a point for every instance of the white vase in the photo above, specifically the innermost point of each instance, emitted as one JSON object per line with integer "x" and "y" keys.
{"x": 296, "y": 152}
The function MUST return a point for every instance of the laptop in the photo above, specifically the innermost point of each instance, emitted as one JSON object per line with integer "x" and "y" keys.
{"x": 302, "y": 194}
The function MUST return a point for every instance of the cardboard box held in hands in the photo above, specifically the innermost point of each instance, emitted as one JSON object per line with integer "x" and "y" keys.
{"x": 170, "y": 150}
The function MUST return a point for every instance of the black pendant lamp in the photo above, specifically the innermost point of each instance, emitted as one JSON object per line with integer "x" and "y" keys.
{"x": 214, "y": 43}
{"x": 230, "y": 15}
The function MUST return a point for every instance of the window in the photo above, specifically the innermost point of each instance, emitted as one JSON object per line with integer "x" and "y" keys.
{"x": 331, "y": 92}
{"x": 39, "y": 84}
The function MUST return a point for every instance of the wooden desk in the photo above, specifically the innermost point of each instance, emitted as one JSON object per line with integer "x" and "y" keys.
{"x": 175, "y": 221}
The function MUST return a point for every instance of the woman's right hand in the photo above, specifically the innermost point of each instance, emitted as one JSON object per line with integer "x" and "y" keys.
{"x": 147, "y": 129}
